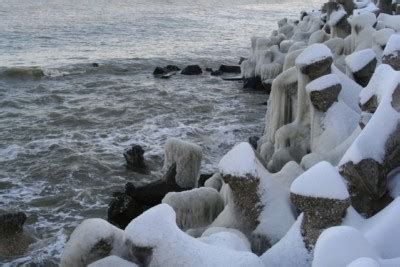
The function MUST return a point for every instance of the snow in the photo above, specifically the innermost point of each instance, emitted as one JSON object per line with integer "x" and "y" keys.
{"x": 390, "y": 21}
{"x": 112, "y": 261}
{"x": 394, "y": 183}
{"x": 392, "y": 45}
{"x": 231, "y": 239}
{"x": 80, "y": 249}
{"x": 241, "y": 161}
{"x": 323, "y": 83}
{"x": 322, "y": 180}
{"x": 277, "y": 215}
{"x": 369, "y": 8}
{"x": 290, "y": 251}
{"x": 382, "y": 36}
{"x": 364, "y": 262}
{"x": 187, "y": 157}
{"x": 358, "y": 60}
{"x": 156, "y": 228}
{"x": 371, "y": 141}
{"x": 336, "y": 16}
{"x": 195, "y": 208}
{"x": 313, "y": 53}
{"x": 340, "y": 245}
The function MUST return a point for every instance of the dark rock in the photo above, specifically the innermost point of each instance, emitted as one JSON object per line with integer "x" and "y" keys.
{"x": 253, "y": 83}
{"x": 203, "y": 178}
{"x": 267, "y": 84}
{"x": 253, "y": 140}
{"x": 319, "y": 214}
{"x": 264, "y": 103}
{"x": 123, "y": 209}
{"x": 11, "y": 223}
{"x": 303, "y": 14}
{"x": 216, "y": 73}
{"x": 172, "y": 68}
{"x": 318, "y": 68}
{"x": 371, "y": 105}
{"x": 363, "y": 76}
{"x": 322, "y": 100}
{"x": 385, "y": 6}
{"x": 241, "y": 60}
{"x": 142, "y": 254}
{"x": 229, "y": 69}
{"x": 348, "y": 6}
{"x": 135, "y": 159}
{"x": 393, "y": 60}
{"x": 95, "y": 65}
{"x": 160, "y": 71}
{"x": 192, "y": 70}
{"x": 209, "y": 69}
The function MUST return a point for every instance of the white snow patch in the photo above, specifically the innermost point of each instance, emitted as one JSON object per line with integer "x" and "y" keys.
{"x": 323, "y": 83}
{"x": 392, "y": 45}
{"x": 322, "y": 180}
{"x": 359, "y": 59}
{"x": 112, "y": 261}
{"x": 390, "y": 21}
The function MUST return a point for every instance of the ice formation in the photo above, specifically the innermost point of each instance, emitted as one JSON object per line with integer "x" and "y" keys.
{"x": 187, "y": 157}
{"x": 195, "y": 208}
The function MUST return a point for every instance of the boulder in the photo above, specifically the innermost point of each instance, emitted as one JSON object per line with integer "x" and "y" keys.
{"x": 216, "y": 73}
{"x": 323, "y": 99}
{"x": 123, "y": 209}
{"x": 322, "y": 196}
{"x": 253, "y": 83}
{"x": 11, "y": 223}
{"x": 253, "y": 140}
{"x": 135, "y": 159}
{"x": 192, "y": 70}
{"x": 229, "y": 68}
{"x": 392, "y": 59}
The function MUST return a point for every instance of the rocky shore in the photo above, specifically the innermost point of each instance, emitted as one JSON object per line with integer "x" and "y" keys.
{"x": 320, "y": 187}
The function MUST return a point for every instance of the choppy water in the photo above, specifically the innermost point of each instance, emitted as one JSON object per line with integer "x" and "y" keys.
{"x": 64, "y": 124}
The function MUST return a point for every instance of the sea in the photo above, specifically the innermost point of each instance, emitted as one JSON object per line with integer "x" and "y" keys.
{"x": 65, "y": 123}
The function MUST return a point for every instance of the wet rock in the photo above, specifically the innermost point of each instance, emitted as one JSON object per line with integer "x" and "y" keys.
{"x": 371, "y": 105}
{"x": 319, "y": 214}
{"x": 385, "y": 6}
{"x": 135, "y": 159}
{"x": 123, "y": 209}
{"x": 216, "y": 73}
{"x": 192, "y": 70}
{"x": 322, "y": 100}
{"x": 203, "y": 178}
{"x": 229, "y": 69}
{"x": 172, "y": 68}
{"x": 318, "y": 68}
{"x": 253, "y": 83}
{"x": 267, "y": 84}
{"x": 363, "y": 76}
{"x": 160, "y": 71}
{"x": 253, "y": 141}
{"x": 95, "y": 65}
{"x": 209, "y": 69}
{"x": 393, "y": 59}
{"x": 11, "y": 223}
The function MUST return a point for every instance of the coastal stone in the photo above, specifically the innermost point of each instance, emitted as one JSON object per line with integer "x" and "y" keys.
{"x": 322, "y": 100}
{"x": 135, "y": 159}
{"x": 319, "y": 214}
{"x": 169, "y": 69}
{"x": 216, "y": 73}
{"x": 11, "y": 223}
{"x": 393, "y": 60}
{"x": 241, "y": 59}
{"x": 363, "y": 76}
{"x": 385, "y": 6}
{"x": 95, "y": 65}
{"x": 172, "y": 68}
{"x": 123, "y": 209}
{"x": 371, "y": 105}
{"x": 209, "y": 69}
{"x": 192, "y": 70}
{"x": 348, "y": 6}
{"x": 253, "y": 83}
{"x": 229, "y": 68}
{"x": 253, "y": 140}
{"x": 159, "y": 71}
{"x": 318, "y": 68}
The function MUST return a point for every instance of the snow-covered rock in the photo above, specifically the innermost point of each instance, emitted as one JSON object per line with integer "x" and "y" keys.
{"x": 361, "y": 65}
{"x": 112, "y": 261}
{"x": 92, "y": 240}
{"x": 166, "y": 245}
{"x": 391, "y": 54}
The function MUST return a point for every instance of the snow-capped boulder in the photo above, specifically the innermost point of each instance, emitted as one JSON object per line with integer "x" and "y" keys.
{"x": 361, "y": 65}
{"x": 195, "y": 208}
{"x": 315, "y": 61}
{"x": 391, "y": 54}
{"x": 156, "y": 240}
{"x": 92, "y": 240}
{"x": 322, "y": 195}
{"x": 187, "y": 157}
{"x": 374, "y": 153}
{"x": 112, "y": 261}
{"x": 324, "y": 91}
